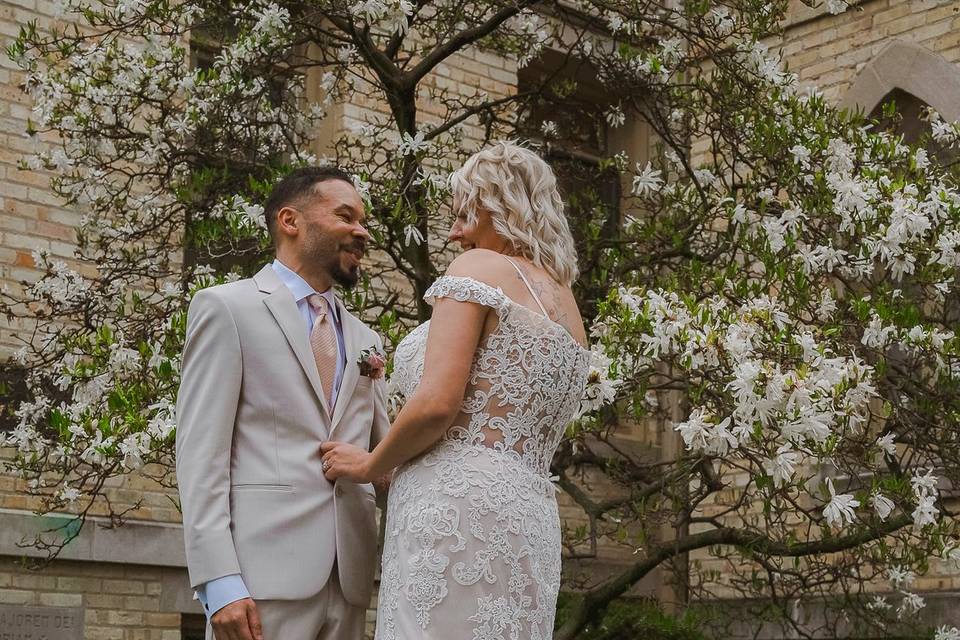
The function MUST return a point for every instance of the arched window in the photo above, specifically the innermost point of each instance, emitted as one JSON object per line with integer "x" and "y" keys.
{"x": 907, "y": 68}
{"x": 908, "y": 121}
{"x": 913, "y": 79}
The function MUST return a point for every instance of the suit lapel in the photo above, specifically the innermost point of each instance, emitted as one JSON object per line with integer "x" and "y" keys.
{"x": 351, "y": 371}
{"x": 284, "y": 309}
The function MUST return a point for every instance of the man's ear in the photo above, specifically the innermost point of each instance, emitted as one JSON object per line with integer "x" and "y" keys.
{"x": 288, "y": 221}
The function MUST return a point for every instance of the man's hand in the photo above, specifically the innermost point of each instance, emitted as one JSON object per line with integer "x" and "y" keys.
{"x": 237, "y": 621}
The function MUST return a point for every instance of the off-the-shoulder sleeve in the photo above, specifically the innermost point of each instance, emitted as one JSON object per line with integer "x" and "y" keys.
{"x": 464, "y": 289}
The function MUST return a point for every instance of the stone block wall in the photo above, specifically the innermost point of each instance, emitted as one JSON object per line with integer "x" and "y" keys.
{"x": 116, "y": 601}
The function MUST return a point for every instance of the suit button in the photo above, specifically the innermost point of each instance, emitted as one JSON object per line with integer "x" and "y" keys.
{"x": 339, "y": 492}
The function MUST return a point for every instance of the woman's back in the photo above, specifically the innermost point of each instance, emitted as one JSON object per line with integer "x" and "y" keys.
{"x": 528, "y": 371}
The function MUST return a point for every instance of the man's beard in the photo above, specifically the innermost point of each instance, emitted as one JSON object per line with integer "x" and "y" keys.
{"x": 345, "y": 278}
{"x": 326, "y": 253}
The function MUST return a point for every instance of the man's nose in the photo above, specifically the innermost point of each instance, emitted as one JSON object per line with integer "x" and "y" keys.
{"x": 361, "y": 231}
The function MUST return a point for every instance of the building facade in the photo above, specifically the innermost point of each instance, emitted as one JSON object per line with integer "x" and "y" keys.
{"x": 129, "y": 583}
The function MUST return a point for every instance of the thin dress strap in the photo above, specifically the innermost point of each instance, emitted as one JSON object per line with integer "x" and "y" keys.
{"x": 529, "y": 288}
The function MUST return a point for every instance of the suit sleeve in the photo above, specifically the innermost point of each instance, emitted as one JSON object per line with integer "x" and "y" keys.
{"x": 206, "y": 409}
{"x": 381, "y": 423}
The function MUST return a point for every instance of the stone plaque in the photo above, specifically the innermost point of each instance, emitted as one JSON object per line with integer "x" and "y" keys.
{"x": 40, "y": 623}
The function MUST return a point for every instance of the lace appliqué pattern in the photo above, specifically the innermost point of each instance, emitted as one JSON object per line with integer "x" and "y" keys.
{"x": 472, "y": 545}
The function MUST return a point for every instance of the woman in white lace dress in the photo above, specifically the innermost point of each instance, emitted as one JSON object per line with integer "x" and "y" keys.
{"x": 472, "y": 545}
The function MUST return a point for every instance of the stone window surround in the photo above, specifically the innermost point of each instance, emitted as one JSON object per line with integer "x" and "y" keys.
{"x": 911, "y": 68}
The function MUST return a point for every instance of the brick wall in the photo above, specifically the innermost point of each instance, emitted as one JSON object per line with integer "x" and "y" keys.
{"x": 120, "y": 602}
{"x": 829, "y": 51}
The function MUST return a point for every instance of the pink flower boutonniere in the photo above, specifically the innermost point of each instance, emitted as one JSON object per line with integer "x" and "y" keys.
{"x": 372, "y": 363}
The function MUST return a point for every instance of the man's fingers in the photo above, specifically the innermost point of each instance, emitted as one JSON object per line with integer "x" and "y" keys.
{"x": 232, "y": 629}
{"x": 233, "y": 621}
{"x": 253, "y": 619}
{"x": 224, "y": 631}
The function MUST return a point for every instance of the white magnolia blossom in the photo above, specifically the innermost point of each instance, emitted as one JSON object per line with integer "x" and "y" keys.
{"x": 647, "y": 180}
{"x": 615, "y": 116}
{"x": 781, "y": 467}
{"x": 700, "y": 434}
{"x": 601, "y": 388}
{"x": 801, "y": 155}
{"x": 944, "y": 133}
{"x": 721, "y": 19}
{"x": 875, "y": 334}
{"x": 887, "y": 443}
{"x": 390, "y": 15}
{"x": 900, "y": 577}
{"x": 63, "y": 287}
{"x": 945, "y": 632}
{"x": 412, "y": 235}
{"x": 882, "y": 505}
{"x": 840, "y": 508}
{"x": 133, "y": 448}
{"x": 878, "y": 603}
{"x": 549, "y": 129}
{"x": 163, "y": 423}
{"x": 926, "y": 512}
{"x": 69, "y": 494}
{"x": 837, "y": 6}
{"x": 412, "y": 145}
{"x": 911, "y": 604}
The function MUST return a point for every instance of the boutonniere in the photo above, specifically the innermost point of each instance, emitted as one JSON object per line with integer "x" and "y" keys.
{"x": 371, "y": 363}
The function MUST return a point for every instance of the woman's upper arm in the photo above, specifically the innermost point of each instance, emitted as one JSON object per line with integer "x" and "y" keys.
{"x": 455, "y": 331}
{"x": 457, "y": 324}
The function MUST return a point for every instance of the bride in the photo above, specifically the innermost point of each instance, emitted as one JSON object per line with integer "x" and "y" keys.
{"x": 472, "y": 547}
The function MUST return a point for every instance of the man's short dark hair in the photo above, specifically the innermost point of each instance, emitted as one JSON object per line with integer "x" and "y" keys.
{"x": 296, "y": 185}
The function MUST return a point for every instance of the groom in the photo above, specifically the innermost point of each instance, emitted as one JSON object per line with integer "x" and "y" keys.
{"x": 272, "y": 367}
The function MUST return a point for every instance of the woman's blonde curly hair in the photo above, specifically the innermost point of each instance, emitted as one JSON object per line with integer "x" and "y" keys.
{"x": 519, "y": 191}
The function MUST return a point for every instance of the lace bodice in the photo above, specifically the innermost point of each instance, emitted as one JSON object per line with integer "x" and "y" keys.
{"x": 526, "y": 381}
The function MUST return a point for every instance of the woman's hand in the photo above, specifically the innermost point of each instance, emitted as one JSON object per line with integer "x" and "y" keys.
{"x": 342, "y": 460}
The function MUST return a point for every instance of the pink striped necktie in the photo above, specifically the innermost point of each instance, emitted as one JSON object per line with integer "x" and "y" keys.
{"x": 323, "y": 342}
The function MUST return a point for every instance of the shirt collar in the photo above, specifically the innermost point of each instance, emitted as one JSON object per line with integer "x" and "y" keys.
{"x": 299, "y": 287}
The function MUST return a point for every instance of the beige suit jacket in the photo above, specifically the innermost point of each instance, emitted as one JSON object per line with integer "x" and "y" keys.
{"x": 251, "y": 417}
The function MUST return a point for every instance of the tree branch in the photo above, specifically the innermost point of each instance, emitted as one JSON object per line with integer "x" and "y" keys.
{"x": 590, "y": 605}
{"x": 462, "y": 39}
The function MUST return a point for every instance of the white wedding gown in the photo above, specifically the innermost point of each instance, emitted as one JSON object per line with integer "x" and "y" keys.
{"x": 472, "y": 548}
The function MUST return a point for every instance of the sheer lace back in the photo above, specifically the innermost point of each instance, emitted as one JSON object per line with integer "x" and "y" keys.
{"x": 526, "y": 380}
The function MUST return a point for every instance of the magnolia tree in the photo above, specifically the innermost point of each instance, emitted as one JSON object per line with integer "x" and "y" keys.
{"x": 780, "y": 275}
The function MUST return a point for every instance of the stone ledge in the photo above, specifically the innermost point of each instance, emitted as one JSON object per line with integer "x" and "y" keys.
{"x": 149, "y": 544}
{"x": 136, "y": 542}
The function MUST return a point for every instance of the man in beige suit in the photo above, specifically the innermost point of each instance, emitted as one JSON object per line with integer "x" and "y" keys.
{"x": 273, "y": 367}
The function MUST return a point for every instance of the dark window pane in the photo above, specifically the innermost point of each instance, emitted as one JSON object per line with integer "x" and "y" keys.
{"x": 192, "y": 626}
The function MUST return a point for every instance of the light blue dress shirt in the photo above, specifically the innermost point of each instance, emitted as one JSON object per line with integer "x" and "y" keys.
{"x": 219, "y": 592}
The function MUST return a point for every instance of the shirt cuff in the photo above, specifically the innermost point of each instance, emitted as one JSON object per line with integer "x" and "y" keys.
{"x": 220, "y": 592}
